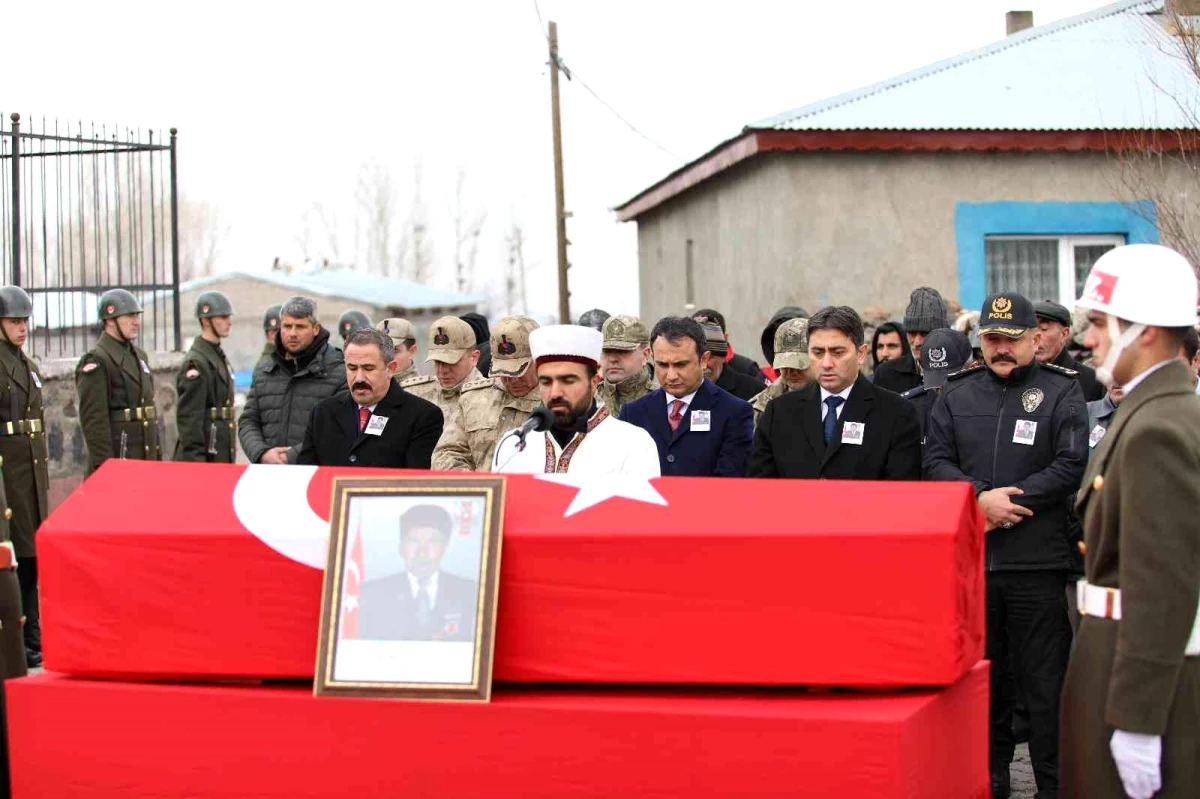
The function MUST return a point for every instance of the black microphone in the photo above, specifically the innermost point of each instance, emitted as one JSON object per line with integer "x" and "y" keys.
{"x": 539, "y": 420}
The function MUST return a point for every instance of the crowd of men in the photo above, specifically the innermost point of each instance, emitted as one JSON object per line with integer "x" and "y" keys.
{"x": 992, "y": 397}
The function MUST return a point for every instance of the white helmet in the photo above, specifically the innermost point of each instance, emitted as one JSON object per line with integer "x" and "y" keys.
{"x": 1143, "y": 284}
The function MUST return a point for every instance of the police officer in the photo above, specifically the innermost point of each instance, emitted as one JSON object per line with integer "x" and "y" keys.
{"x": 350, "y": 321}
{"x": 1131, "y": 704}
{"x": 1016, "y": 429}
{"x": 791, "y": 361}
{"x": 116, "y": 389}
{"x": 204, "y": 413}
{"x": 404, "y": 339}
{"x": 23, "y": 457}
{"x": 270, "y": 329}
{"x": 626, "y": 353}
{"x": 945, "y": 351}
{"x": 487, "y": 409}
{"x": 454, "y": 354}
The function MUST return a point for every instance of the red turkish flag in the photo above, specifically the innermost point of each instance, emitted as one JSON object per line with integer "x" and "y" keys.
{"x": 354, "y": 581}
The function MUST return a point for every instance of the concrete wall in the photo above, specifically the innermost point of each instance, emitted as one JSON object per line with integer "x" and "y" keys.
{"x": 848, "y": 228}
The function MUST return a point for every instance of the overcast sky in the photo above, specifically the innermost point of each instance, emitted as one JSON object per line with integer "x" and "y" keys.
{"x": 279, "y": 105}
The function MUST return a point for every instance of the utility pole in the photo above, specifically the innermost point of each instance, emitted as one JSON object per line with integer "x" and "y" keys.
{"x": 560, "y": 212}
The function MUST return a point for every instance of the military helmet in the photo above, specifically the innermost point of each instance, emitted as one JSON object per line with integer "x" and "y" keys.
{"x": 15, "y": 303}
{"x": 352, "y": 320}
{"x": 271, "y": 318}
{"x": 117, "y": 302}
{"x": 213, "y": 303}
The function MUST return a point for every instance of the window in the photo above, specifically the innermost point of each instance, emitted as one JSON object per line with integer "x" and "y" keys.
{"x": 1044, "y": 267}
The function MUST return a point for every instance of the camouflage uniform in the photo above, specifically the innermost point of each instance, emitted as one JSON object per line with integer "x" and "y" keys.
{"x": 625, "y": 333}
{"x": 485, "y": 409}
{"x": 791, "y": 352}
{"x": 400, "y": 331}
{"x": 450, "y": 340}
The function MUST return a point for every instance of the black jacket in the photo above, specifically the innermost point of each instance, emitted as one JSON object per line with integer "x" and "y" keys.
{"x": 412, "y": 431}
{"x": 790, "y": 441}
{"x": 1093, "y": 389}
{"x": 898, "y": 375}
{"x": 738, "y": 384}
{"x": 889, "y": 327}
{"x": 971, "y": 437}
{"x": 746, "y": 366}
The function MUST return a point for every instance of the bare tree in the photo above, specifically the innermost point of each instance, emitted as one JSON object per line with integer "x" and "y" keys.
{"x": 201, "y": 234}
{"x": 386, "y": 240}
{"x": 422, "y": 261}
{"x": 514, "y": 274}
{"x": 468, "y": 225}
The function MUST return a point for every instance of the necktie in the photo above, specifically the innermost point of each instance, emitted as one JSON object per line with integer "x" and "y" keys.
{"x": 676, "y": 417}
{"x": 364, "y": 413}
{"x": 833, "y": 402}
{"x": 424, "y": 606}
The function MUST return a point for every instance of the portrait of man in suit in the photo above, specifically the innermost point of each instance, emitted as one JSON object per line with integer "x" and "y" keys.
{"x": 423, "y": 602}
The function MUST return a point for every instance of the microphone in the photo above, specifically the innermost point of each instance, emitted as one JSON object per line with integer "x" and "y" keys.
{"x": 539, "y": 420}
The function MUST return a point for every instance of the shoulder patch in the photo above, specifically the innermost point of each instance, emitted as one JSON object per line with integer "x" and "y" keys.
{"x": 964, "y": 372}
{"x": 90, "y": 366}
{"x": 192, "y": 374}
{"x": 1062, "y": 370}
{"x": 416, "y": 381}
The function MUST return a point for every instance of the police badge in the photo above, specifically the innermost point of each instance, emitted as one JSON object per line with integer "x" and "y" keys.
{"x": 1031, "y": 398}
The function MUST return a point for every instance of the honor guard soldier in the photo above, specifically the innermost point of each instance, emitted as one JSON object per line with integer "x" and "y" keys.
{"x": 1131, "y": 705}
{"x": 626, "y": 354}
{"x": 487, "y": 409}
{"x": 13, "y": 655}
{"x": 116, "y": 389}
{"x": 204, "y": 412}
{"x": 270, "y": 329}
{"x": 23, "y": 457}
{"x": 453, "y": 351}
{"x": 350, "y": 321}
{"x": 1017, "y": 430}
{"x": 404, "y": 339}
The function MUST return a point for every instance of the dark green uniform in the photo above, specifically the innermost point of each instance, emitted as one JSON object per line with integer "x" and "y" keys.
{"x": 204, "y": 413}
{"x": 116, "y": 403}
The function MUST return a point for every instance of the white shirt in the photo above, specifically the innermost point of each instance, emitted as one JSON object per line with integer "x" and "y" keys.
{"x": 1133, "y": 383}
{"x": 844, "y": 394}
{"x": 686, "y": 400}
{"x": 431, "y": 587}
{"x": 613, "y": 447}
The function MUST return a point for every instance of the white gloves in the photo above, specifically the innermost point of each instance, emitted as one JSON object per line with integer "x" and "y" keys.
{"x": 1138, "y": 758}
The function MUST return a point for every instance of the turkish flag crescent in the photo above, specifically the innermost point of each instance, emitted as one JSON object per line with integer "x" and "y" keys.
{"x": 354, "y": 580}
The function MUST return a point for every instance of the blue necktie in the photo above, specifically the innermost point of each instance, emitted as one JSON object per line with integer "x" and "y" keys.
{"x": 831, "y": 418}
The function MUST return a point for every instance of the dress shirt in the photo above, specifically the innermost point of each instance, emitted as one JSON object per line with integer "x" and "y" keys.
{"x": 431, "y": 587}
{"x": 1132, "y": 384}
{"x": 687, "y": 402}
{"x": 844, "y": 394}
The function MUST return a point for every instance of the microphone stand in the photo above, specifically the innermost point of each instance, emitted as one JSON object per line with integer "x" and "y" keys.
{"x": 519, "y": 450}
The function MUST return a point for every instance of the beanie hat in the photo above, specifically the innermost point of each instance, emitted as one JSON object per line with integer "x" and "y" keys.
{"x": 926, "y": 311}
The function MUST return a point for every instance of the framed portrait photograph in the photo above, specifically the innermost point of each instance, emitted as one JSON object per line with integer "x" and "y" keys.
{"x": 411, "y": 582}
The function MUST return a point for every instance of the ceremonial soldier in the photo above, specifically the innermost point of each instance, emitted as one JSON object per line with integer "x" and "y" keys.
{"x": 204, "y": 413}
{"x": 23, "y": 457}
{"x": 487, "y": 409}
{"x": 626, "y": 353}
{"x": 791, "y": 361}
{"x": 1131, "y": 704}
{"x": 13, "y": 656}
{"x": 453, "y": 351}
{"x": 404, "y": 339}
{"x": 350, "y": 321}
{"x": 116, "y": 389}
{"x": 270, "y": 329}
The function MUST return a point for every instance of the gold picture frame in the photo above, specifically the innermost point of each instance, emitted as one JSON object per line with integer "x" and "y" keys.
{"x": 427, "y": 631}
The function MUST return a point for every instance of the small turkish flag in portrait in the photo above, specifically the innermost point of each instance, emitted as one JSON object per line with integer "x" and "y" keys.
{"x": 354, "y": 580}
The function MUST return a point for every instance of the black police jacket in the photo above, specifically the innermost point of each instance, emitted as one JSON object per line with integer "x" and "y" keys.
{"x": 978, "y": 431}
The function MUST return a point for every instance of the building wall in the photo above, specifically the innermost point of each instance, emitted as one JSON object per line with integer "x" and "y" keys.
{"x": 848, "y": 228}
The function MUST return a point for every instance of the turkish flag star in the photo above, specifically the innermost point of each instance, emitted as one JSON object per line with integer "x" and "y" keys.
{"x": 594, "y": 489}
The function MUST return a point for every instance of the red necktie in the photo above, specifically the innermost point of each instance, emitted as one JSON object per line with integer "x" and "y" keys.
{"x": 676, "y": 417}
{"x": 364, "y": 413}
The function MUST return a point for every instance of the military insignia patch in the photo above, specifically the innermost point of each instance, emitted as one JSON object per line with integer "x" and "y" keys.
{"x": 110, "y": 308}
{"x": 387, "y": 326}
{"x": 451, "y": 627}
{"x": 203, "y": 309}
{"x": 1031, "y": 399}
{"x": 506, "y": 347}
{"x": 441, "y": 339}
{"x": 1001, "y": 305}
{"x": 89, "y": 367}
{"x": 616, "y": 329}
{"x": 192, "y": 374}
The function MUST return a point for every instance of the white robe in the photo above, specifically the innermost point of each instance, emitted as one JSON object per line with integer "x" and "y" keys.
{"x": 613, "y": 447}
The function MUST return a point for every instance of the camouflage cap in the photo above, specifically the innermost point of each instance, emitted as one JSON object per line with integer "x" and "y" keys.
{"x": 791, "y": 345}
{"x": 450, "y": 338}
{"x": 397, "y": 329}
{"x": 625, "y": 333}
{"x": 510, "y": 346}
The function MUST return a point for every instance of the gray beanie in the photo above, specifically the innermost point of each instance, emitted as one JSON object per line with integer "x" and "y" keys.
{"x": 926, "y": 311}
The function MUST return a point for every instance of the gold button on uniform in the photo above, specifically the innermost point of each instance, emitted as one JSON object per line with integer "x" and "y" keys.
{"x": 8, "y": 513}
{"x": 1098, "y": 483}
{"x": 1082, "y": 548}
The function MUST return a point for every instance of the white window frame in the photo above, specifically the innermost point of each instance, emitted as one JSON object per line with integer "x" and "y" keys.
{"x": 1068, "y": 292}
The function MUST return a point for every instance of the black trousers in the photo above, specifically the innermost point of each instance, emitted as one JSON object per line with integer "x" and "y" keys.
{"x": 27, "y": 576}
{"x": 1028, "y": 629}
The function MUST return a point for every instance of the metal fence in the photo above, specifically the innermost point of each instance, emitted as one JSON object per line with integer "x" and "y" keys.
{"x": 83, "y": 211}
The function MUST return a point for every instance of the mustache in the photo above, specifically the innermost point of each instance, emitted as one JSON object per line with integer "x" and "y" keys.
{"x": 1004, "y": 359}
{"x": 362, "y": 385}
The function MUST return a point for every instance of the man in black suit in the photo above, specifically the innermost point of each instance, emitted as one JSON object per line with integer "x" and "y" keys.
{"x": 377, "y": 423}
{"x": 842, "y": 426}
{"x": 421, "y": 603}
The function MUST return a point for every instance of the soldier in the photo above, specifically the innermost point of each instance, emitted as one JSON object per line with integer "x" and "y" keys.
{"x": 13, "y": 658}
{"x": 487, "y": 409}
{"x": 626, "y": 353}
{"x": 23, "y": 457}
{"x": 204, "y": 413}
{"x": 594, "y": 318}
{"x": 271, "y": 328}
{"x": 350, "y": 321}
{"x": 452, "y": 348}
{"x": 791, "y": 361}
{"x": 404, "y": 339}
{"x": 116, "y": 389}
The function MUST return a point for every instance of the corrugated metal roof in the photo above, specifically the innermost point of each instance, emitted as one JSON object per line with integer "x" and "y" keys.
{"x": 1112, "y": 68}
{"x": 373, "y": 290}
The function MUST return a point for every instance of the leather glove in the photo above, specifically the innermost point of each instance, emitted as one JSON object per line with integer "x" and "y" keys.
{"x": 1138, "y": 758}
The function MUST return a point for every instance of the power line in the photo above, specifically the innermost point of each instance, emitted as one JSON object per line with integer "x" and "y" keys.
{"x": 570, "y": 75}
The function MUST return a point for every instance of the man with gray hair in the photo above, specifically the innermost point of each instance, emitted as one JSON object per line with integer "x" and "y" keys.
{"x": 303, "y": 369}
{"x": 377, "y": 423}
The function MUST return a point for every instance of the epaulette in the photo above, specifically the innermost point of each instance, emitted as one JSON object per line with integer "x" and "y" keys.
{"x": 416, "y": 381}
{"x": 970, "y": 370}
{"x": 486, "y": 382}
{"x": 1062, "y": 370}
{"x": 915, "y": 391}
